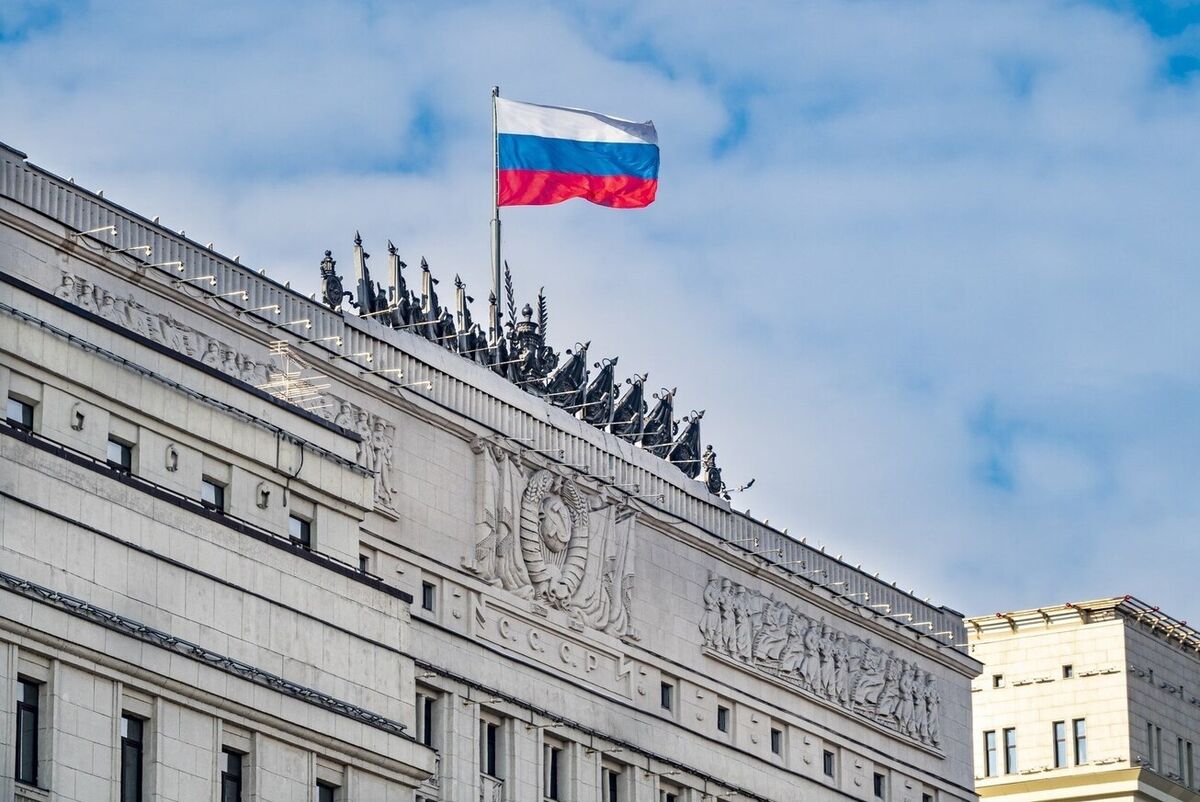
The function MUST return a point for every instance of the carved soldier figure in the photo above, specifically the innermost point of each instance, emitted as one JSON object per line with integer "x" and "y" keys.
{"x": 66, "y": 288}
{"x": 810, "y": 668}
{"x": 904, "y": 712}
{"x": 826, "y": 649}
{"x": 773, "y": 631}
{"x": 381, "y": 446}
{"x": 841, "y": 679}
{"x": 871, "y": 677}
{"x": 710, "y": 624}
{"x": 366, "y": 454}
{"x": 344, "y": 416}
{"x": 932, "y": 700}
{"x": 889, "y": 694}
{"x": 744, "y": 636}
{"x": 920, "y": 720}
{"x": 792, "y": 656}
{"x": 212, "y": 354}
{"x": 728, "y": 618}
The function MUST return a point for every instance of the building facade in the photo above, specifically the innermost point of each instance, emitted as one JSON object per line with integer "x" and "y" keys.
{"x": 1091, "y": 700}
{"x": 260, "y": 545}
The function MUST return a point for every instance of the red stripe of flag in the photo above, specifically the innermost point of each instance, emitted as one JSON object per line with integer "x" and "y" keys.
{"x": 539, "y": 188}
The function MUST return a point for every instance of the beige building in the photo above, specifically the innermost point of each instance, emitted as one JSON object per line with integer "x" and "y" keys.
{"x": 257, "y": 545}
{"x": 1092, "y": 700}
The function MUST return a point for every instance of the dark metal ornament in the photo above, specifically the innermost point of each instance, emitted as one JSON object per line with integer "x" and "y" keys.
{"x": 332, "y": 289}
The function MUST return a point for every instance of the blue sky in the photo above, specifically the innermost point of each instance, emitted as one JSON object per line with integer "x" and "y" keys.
{"x": 929, "y": 266}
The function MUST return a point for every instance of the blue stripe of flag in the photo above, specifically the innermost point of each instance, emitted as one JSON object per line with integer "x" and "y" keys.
{"x": 526, "y": 152}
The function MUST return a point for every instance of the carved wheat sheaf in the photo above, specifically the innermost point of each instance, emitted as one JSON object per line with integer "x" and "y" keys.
{"x": 542, "y": 486}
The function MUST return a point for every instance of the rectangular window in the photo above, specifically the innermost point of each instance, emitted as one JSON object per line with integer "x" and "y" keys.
{"x": 880, "y": 785}
{"x": 20, "y": 413}
{"x": 325, "y": 791}
{"x": 428, "y": 596}
{"x": 666, "y": 696}
{"x": 212, "y": 494}
{"x": 1189, "y": 766}
{"x": 551, "y": 768}
{"x": 1150, "y": 745}
{"x": 1010, "y": 751}
{"x": 1060, "y": 744}
{"x": 610, "y": 786}
{"x": 300, "y": 531}
{"x": 1179, "y": 756}
{"x": 132, "y": 734}
{"x": 1079, "y": 726}
{"x": 1068, "y": 671}
{"x": 722, "y": 718}
{"x": 27, "y": 731}
{"x": 364, "y": 563}
{"x": 989, "y": 754}
{"x": 489, "y": 748}
{"x": 425, "y": 718}
{"x": 120, "y": 455}
{"x": 926, "y": 797}
{"x": 827, "y": 765}
{"x": 231, "y": 776}
{"x": 997, "y": 680}
{"x": 668, "y": 796}
{"x": 776, "y": 741}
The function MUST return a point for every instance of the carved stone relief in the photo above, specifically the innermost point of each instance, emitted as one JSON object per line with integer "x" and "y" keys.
{"x": 776, "y": 638}
{"x": 540, "y": 537}
{"x": 375, "y": 451}
{"x": 125, "y": 311}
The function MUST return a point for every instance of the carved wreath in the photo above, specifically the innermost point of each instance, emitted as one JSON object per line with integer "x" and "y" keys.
{"x": 554, "y": 520}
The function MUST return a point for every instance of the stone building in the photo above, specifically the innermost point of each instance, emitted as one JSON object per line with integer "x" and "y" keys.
{"x": 264, "y": 546}
{"x": 1091, "y": 700}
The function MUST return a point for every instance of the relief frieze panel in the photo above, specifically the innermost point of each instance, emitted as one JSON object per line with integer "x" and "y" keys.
{"x": 375, "y": 449}
{"x": 816, "y": 657}
{"x": 542, "y": 538}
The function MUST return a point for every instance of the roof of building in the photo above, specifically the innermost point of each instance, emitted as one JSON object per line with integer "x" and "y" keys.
{"x": 1089, "y": 612}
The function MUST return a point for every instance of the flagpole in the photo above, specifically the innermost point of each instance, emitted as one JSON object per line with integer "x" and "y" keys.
{"x": 495, "y": 322}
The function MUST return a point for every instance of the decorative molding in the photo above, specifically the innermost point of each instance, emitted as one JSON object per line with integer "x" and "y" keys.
{"x": 541, "y": 538}
{"x": 156, "y": 637}
{"x": 846, "y": 671}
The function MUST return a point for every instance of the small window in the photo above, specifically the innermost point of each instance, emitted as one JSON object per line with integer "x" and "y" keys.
{"x": 552, "y": 769}
{"x": 668, "y": 796}
{"x": 212, "y": 494}
{"x": 27, "y": 731}
{"x": 1010, "y": 751}
{"x": 997, "y": 680}
{"x": 489, "y": 748}
{"x": 1079, "y": 727}
{"x": 20, "y": 413}
{"x": 776, "y": 741}
{"x": 666, "y": 696}
{"x": 231, "y": 775}
{"x": 926, "y": 797}
{"x": 990, "y": 764}
{"x": 722, "y": 718}
{"x": 1060, "y": 744}
{"x": 120, "y": 455}
{"x": 880, "y": 785}
{"x": 827, "y": 764}
{"x": 610, "y": 785}
{"x": 428, "y": 596}
{"x": 425, "y": 717}
{"x": 300, "y": 531}
{"x": 132, "y": 747}
{"x": 364, "y": 563}
{"x": 1068, "y": 671}
{"x": 325, "y": 791}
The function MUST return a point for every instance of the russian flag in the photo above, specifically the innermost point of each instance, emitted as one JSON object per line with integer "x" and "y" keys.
{"x": 548, "y": 154}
